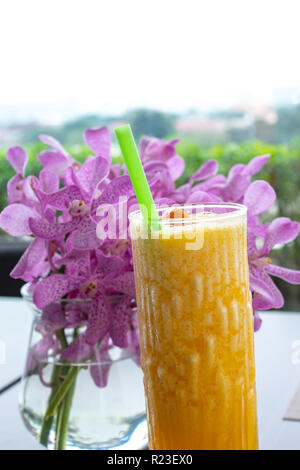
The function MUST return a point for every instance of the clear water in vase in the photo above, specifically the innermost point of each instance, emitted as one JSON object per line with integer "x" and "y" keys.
{"x": 112, "y": 417}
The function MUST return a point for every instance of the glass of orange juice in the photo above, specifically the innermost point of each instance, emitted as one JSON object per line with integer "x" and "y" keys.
{"x": 196, "y": 327}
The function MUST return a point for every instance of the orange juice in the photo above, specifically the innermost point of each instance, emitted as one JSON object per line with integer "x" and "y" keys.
{"x": 196, "y": 330}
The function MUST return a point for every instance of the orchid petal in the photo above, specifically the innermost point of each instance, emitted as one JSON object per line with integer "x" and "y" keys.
{"x": 54, "y": 161}
{"x": 49, "y": 181}
{"x": 99, "y": 141}
{"x": 215, "y": 182}
{"x": 290, "y": 275}
{"x": 39, "y": 352}
{"x": 156, "y": 149}
{"x": 155, "y": 166}
{"x": 115, "y": 170}
{"x": 85, "y": 238}
{"x": 41, "y": 348}
{"x": 259, "y": 197}
{"x": 237, "y": 169}
{"x": 154, "y": 181}
{"x": 14, "y": 219}
{"x": 77, "y": 316}
{"x": 164, "y": 201}
{"x": 62, "y": 198}
{"x": 257, "y": 321}
{"x": 77, "y": 263}
{"x": 108, "y": 264}
{"x": 99, "y": 319}
{"x": 120, "y": 323}
{"x": 69, "y": 177}
{"x": 255, "y": 165}
{"x": 120, "y": 186}
{"x": 252, "y": 248}
{"x": 201, "y": 196}
{"x": 176, "y": 167}
{"x": 92, "y": 173}
{"x": 281, "y": 230}
{"x": 207, "y": 170}
{"x": 34, "y": 255}
{"x": 43, "y": 229}
{"x": 133, "y": 339}
{"x": 124, "y": 284}
{"x": 31, "y": 362}
{"x": 53, "y": 288}
{"x": 266, "y": 294}
{"x": 30, "y": 189}
{"x": 15, "y": 189}
{"x": 100, "y": 371}
{"x": 53, "y": 314}
{"x": 168, "y": 186}
{"x": 143, "y": 146}
{"x": 53, "y": 143}
{"x": 259, "y": 230}
{"x": 78, "y": 351}
{"x": 235, "y": 188}
{"x": 18, "y": 158}
{"x": 181, "y": 194}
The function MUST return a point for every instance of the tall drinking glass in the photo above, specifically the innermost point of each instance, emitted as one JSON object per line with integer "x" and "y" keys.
{"x": 196, "y": 327}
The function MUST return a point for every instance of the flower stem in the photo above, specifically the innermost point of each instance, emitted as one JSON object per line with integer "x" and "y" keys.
{"x": 62, "y": 338}
{"x": 60, "y": 400}
{"x": 63, "y": 417}
{"x": 47, "y": 422}
{"x": 64, "y": 409}
{"x": 62, "y": 391}
{"x": 64, "y": 372}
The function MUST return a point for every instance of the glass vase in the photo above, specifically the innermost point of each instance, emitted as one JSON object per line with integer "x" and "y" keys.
{"x": 110, "y": 416}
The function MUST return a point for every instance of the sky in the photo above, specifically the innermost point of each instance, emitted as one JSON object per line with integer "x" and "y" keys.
{"x": 62, "y": 58}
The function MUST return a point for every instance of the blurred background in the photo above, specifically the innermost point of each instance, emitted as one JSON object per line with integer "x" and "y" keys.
{"x": 224, "y": 77}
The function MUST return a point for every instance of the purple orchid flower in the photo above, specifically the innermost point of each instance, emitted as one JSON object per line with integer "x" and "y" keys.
{"x": 67, "y": 264}
{"x": 259, "y": 197}
{"x": 206, "y": 179}
{"x": 57, "y": 159}
{"x": 52, "y": 320}
{"x": 266, "y": 295}
{"x": 18, "y": 158}
{"x": 91, "y": 278}
{"x": 96, "y": 280}
{"x": 24, "y": 204}
{"x": 98, "y": 355}
{"x": 159, "y": 155}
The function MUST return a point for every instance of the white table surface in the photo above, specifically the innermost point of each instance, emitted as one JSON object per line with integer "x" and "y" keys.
{"x": 277, "y": 377}
{"x": 15, "y": 325}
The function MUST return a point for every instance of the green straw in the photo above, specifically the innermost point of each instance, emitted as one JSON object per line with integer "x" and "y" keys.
{"x": 137, "y": 175}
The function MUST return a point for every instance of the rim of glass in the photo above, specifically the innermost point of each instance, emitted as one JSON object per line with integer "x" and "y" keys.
{"x": 238, "y": 210}
{"x": 58, "y": 361}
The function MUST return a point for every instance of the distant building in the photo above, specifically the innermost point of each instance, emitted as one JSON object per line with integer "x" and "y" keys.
{"x": 200, "y": 124}
{"x": 238, "y": 118}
